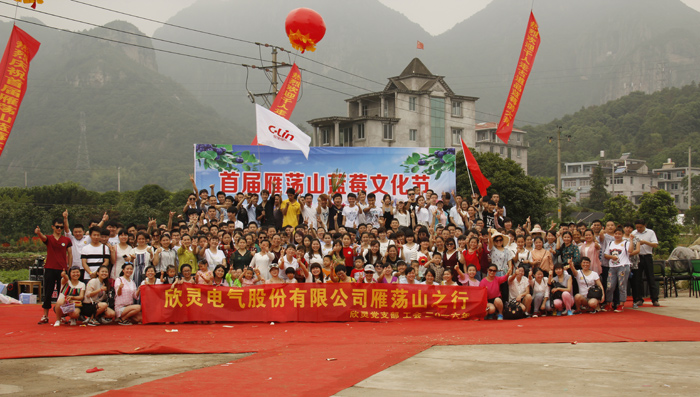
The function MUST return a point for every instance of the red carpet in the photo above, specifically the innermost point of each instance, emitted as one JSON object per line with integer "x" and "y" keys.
{"x": 360, "y": 349}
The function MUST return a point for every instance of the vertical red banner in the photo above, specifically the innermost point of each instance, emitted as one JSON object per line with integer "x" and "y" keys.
{"x": 286, "y": 98}
{"x": 522, "y": 72}
{"x": 13, "y": 84}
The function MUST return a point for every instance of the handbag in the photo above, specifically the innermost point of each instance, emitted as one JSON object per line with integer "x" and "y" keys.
{"x": 513, "y": 311}
{"x": 68, "y": 308}
{"x": 557, "y": 294}
{"x": 594, "y": 292}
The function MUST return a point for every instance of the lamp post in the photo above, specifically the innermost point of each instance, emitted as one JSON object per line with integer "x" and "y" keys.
{"x": 559, "y": 169}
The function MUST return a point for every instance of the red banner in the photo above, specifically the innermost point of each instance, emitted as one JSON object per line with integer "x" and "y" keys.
{"x": 481, "y": 182}
{"x": 13, "y": 84}
{"x": 522, "y": 72}
{"x": 286, "y": 98}
{"x": 310, "y": 302}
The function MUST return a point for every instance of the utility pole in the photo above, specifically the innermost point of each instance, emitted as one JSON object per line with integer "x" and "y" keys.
{"x": 119, "y": 179}
{"x": 271, "y": 68}
{"x": 25, "y": 179}
{"x": 559, "y": 173}
{"x": 690, "y": 179}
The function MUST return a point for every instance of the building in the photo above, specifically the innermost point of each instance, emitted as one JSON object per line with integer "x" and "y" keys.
{"x": 670, "y": 178}
{"x": 631, "y": 177}
{"x": 577, "y": 178}
{"x": 415, "y": 109}
{"x": 515, "y": 149}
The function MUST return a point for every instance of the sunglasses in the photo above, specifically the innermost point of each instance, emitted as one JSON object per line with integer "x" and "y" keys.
{"x": 492, "y": 270}
{"x": 58, "y": 226}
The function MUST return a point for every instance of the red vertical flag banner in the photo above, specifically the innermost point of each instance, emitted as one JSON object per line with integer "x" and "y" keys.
{"x": 13, "y": 84}
{"x": 522, "y": 72}
{"x": 481, "y": 182}
{"x": 286, "y": 98}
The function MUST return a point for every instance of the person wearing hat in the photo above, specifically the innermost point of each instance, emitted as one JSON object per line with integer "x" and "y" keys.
{"x": 537, "y": 231}
{"x": 291, "y": 209}
{"x": 369, "y": 275}
{"x": 274, "y": 275}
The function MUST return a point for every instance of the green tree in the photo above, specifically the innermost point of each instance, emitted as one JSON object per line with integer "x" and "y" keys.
{"x": 620, "y": 209}
{"x": 695, "y": 186}
{"x": 523, "y": 195}
{"x": 598, "y": 194}
{"x": 692, "y": 216}
{"x": 151, "y": 196}
{"x": 659, "y": 211}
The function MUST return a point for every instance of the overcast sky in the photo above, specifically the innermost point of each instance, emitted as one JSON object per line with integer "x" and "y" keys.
{"x": 431, "y": 15}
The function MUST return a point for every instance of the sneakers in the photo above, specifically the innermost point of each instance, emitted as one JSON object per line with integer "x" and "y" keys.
{"x": 534, "y": 315}
{"x": 124, "y": 322}
{"x": 57, "y": 323}
{"x": 500, "y": 317}
{"x": 635, "y": 306}
{"x": 44, "y": 320}
{"x": 558, "y": 313}
{"x": 92, "y": 322}
{"x": 656, "y": 303}
{"x": 105, "y": 321}
{"x": 619, "y": 309}
{"x": 640, "y": 303}
{"x": 73, "y": 322}
{"x": 569, "y": 313}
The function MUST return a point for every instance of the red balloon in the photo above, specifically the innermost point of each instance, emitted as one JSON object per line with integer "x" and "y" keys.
{"x": 305, "y": 28}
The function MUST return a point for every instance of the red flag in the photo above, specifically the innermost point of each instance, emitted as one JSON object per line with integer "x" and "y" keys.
{"x": 14, "y": 69}
{"x": 481, "y": 182}
{"x": 286, "y": 98}
{"x": 419, "y": 45}
{"x": 522, "y": 72}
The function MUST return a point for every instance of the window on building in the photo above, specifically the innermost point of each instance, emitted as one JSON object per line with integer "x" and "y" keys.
{"x": 412, "y": 135}
{"x": 517, "y": 137}
{"x": 388, "y": 132}
{"x": 437, "y": 122}
{"x": 517, "y": 152}
{"x": 685, "y": 199}
{"x": 345, "y": 137}
{"x": 674, "y": 186}
{"x": 325, "y": 137}
{"x": 679, "y": 174}
{"x": 360, "y": 131}
{"x": 585, "y": 182}
{"x": 412, "y": 103}
{"x": 386, "y": 108}
{"x": 456, "y": 108}
{"x": 619, "y": 180}
{"x": 569, "y": 183}
{"x": 456, "y": 136}
{"x": 365, "y": 111}
{"x": 631, "y": 180}
{"x": 676, "y": 198}
{"x": 503, "y": 150}
{"x": 492, "y": 151}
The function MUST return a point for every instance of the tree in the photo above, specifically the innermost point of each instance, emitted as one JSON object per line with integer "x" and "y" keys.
{"x": 695, "y": 186}
{"x": 692, "y": 216}
{"x": 659, "y": 211}
{"x": 522, "y": 195}
{"x": 598, "y": 194}
{"x": 620, "y": 209}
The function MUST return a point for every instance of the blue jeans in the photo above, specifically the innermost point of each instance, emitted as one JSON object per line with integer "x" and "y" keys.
{"x": 617, "y": 278}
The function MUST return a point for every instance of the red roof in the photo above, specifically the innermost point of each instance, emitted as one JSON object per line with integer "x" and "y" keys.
{"x": 491, "y": 126}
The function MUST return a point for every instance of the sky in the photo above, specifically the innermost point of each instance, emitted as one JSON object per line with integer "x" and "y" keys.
{"x": 431, "y": 15}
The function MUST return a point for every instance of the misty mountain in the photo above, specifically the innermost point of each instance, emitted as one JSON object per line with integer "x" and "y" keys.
{"x": 134, "y": 117}
{"x": 591, "y": 52}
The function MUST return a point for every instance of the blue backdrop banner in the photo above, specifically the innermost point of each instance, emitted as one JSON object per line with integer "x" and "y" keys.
{"x": 249, "y": 169}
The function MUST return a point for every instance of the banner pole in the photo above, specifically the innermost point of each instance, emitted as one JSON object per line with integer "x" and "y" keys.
{"x": 469, "y": 175}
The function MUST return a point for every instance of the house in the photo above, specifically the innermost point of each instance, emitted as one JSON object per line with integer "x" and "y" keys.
{"x": 670, "y": 178}
{"x": 415, "y": 109}
{"x": 577, "y": 178}
{"x": 630, "y": 178}
{"x": 515, "y": 149}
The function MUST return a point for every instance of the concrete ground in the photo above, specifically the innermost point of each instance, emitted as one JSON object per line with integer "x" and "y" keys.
{"x": 66, "y": 376}
{"x": 601, "y": 369}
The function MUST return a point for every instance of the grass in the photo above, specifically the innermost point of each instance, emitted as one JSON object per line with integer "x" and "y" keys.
{"x": 20, "y": 254}
{"x": 8, "y": 276}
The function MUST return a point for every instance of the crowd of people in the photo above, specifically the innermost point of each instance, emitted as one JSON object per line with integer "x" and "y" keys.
{"x": 246, "y": 239}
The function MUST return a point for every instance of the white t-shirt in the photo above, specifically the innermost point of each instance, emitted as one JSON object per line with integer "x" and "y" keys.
{"x": 129, "y": 251}
{"x": 361, "y": 218}
{"x": 384, "y": 246}
{"x": 293, "y": 264}
{"x": 324, "y": 217}
{"x": 77, "y": 247}
{"x": 351, "y": 214}
{"x": 113, "y": 240}
{"x": 372, "y": 216}
{"x": 423, "y": 216}
{"x": 456, "y": 217}
{"x": 515, "y": 287}
{"x": 583, "y": 285}
{"x": 410, "y": 253}
{"x": 214, "y": 259}
{"x": 404, "y": 219}
{"x": 647, "y": 235}
{"x": 540, "y": 288}
{"x": 94, "y": 256}
{"x": 309, "y": 215}
{"x": 621, "y": 251}
{"x": 262, "y": 263}
{"x": 316, "y": 258}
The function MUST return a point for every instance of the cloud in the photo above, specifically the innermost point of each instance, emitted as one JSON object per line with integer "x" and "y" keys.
{"x": 282, "y": 160}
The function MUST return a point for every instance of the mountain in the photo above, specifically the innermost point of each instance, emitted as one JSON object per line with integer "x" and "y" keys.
{"x": 591, "y": 52}
{"x": 653, "y": 127}
{"x": 134, "y": 117}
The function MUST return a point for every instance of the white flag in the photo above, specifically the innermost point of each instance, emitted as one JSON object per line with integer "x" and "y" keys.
{"x": 277, "y": 132}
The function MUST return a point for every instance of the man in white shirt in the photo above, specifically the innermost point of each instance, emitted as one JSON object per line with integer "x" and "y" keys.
{"x": 351, "y": 212}
{"x": 362, "y": 205}
{"x": 78, "y": 238}
{"x": 648, "y": 241}
{"x": 308, "y": 211}
{"x": 455, "y": 217}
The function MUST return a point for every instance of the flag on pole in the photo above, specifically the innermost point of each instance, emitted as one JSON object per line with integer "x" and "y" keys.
{"x": 419, "y": 46}
{"x": 286, "y": 98}
{"x": 522, "y": 72}
{"x": 19, "y": 52}
{"x": 481, "y": 182}
{"x": 277, "y": 132}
